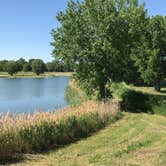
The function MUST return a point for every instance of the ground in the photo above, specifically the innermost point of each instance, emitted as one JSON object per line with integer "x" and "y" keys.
{"x": 150, "y": 90}
{"x": 136, "y": 139}
{"x": 32, "y": 75}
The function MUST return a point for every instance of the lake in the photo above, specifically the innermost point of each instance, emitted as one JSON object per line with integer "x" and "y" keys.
{"x": 29, "y": 94}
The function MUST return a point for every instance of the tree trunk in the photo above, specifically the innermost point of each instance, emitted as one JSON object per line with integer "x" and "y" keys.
{"x": 101, "y": 91}
{"x": 157, "y": 86}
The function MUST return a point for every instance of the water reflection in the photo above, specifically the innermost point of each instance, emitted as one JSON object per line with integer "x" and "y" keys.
{"x": 27, "y": 95}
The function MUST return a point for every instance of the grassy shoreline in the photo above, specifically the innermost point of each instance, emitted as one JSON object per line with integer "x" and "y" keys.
{"x": 135, "y": 140}
{"x": 40, "y": 132}
{"x": 32, "y": 75}
{"x": 44, "y": 131}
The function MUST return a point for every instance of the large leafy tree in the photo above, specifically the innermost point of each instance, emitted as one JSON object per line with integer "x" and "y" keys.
{"x": 150, "y": 54}
{"x": 96, "y": 36}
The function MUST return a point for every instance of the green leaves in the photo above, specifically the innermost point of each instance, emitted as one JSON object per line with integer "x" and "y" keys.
{"x": 12, "y": 67}
{"x": 38, "y": 66}
{"x": 103, "y": 39}
{"x": 149, "y": 52}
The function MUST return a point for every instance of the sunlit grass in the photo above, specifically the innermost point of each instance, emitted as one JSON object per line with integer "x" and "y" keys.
{"x": 149, "y": 90}
{"x": 136, "y": 139}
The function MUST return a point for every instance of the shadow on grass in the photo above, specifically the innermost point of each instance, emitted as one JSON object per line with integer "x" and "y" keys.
{"x": 138, "y": 102}
{"x": 12, "y": 160}
{"x": 163, "y": 91}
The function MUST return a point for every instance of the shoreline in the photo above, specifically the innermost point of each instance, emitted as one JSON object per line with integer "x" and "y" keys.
{"x": 32, "y": 75}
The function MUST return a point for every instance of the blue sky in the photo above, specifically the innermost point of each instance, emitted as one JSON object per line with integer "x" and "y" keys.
{"x": 25, "y": 26}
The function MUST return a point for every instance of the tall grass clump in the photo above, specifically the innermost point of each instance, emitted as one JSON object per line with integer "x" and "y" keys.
{"x": 74, "y": 95}
{"x": 118, "y": 89}
{"x": 38, "y": 132}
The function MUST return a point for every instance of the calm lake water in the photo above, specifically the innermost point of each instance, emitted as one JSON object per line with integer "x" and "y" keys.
{"x": 30, "y": 94}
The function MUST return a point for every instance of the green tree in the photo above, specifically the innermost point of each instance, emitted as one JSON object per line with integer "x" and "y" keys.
{"x": 150, "y": 54}
{"x": 3, "y": 65}
{"x": 38, "y": 66}
{"x": 20, "y": 64}
{"x": 30, "y": 62}
{"x": 96, "y": 38}
{"x": 26, "y": 67}
{"x": 12, "y": 67}
{"x": 51, "y": 66}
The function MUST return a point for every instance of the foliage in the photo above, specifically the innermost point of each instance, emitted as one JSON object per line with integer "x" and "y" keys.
{"x": 51, "y": 66}
{"x": 3, "y": 65}
{"x": 58, "y": 66}
{"x": 118, "y": 89}
{"x": 136, "y": 102}
{"x": 20, "y": 64}
{"x": 150, "y": 54}
{"x": 96, "y": 37}
{"x": 26, "y": 67}
{"x": 38, "y": 66}
{"x": 160, "y": 108}
{"x": 12, "y": 67}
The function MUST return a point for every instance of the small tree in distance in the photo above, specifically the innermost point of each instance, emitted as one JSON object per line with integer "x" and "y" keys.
{"x": 38, "y": 66}
{"x": 12, "y": 67}
{"x": 26, "y": 67}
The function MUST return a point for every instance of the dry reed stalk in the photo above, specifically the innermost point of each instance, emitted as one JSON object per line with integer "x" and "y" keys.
{"x": 19, "y": 121}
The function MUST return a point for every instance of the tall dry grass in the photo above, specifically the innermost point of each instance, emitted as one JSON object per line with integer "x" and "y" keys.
{"x": 19, "y": 121}
{"x": 45, "y": 130}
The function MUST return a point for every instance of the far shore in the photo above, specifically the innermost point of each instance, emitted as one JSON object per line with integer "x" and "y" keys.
{"x": 33, "y": 75}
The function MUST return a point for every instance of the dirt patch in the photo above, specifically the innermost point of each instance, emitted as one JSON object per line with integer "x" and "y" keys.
{"x": 147, "y": 152}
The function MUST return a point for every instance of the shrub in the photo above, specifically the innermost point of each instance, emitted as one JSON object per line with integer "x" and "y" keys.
{"x": 136, "y": 102}
{"x": 118, "y": 89}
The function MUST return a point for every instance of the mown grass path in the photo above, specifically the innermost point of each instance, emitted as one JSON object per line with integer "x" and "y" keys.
{"x": 136, "y": 139}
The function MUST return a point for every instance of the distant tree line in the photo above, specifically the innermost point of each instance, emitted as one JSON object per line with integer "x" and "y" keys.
{"x": 33, "y": 65}
{"x": 111, "y": 41}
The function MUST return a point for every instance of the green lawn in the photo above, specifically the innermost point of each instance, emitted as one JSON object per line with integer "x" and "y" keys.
{"x": 32, "y": 75}
{"x": 150, "y": 90}
{"x": 136, "y": 139}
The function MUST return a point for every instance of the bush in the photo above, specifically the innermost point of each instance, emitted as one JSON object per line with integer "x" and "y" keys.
{"x": 160, "y": 108}
{"x": 118, "y": 89}
{"x": 136, "y": 102}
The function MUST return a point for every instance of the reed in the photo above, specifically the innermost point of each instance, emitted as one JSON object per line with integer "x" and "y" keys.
{"x": 42, "y": 131}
